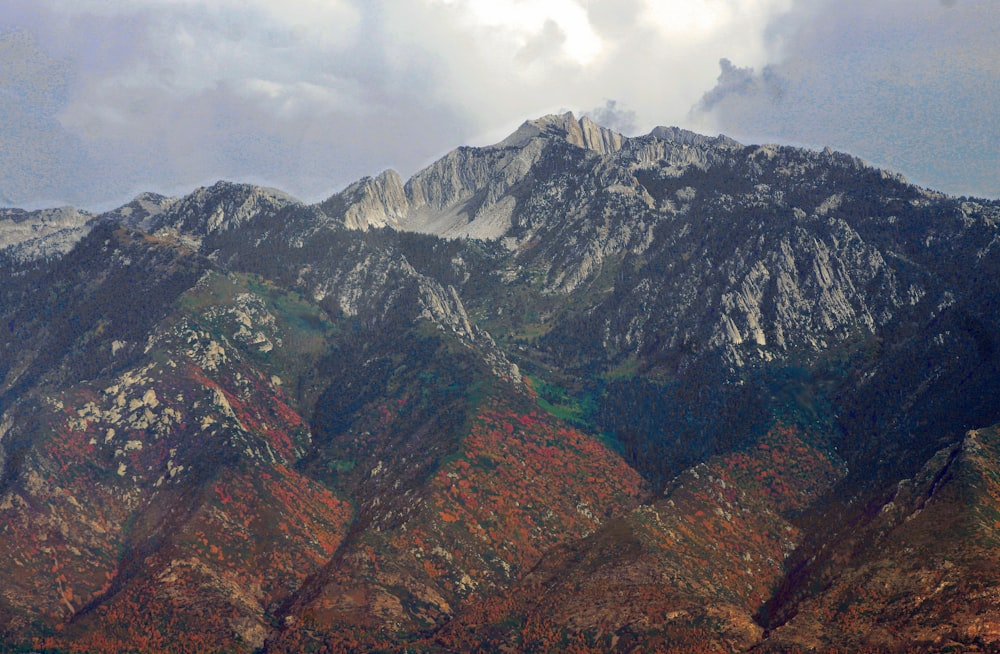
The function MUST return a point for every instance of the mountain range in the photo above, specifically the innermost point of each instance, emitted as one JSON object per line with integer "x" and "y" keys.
{"x": 572, "y": 392}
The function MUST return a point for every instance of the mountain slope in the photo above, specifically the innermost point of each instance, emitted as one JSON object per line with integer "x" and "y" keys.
{"x": 921, "y": 574}
{"x": 684, "y": 573}
{"x": 663, "y": 392}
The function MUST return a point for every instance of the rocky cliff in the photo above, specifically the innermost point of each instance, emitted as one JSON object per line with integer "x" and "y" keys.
{"x": 49, "y": 233}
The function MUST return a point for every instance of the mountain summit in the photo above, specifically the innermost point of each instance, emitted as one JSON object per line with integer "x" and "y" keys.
{"x": 573, "y": 391}
{"x": 473, "y": 192}
{"x": 582, "y": 132}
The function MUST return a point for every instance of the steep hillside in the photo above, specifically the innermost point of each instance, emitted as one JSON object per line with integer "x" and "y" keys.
{"x": 571, "y": 391}
{"x": 922, "y": 574}
{"x": 684, "y": 573}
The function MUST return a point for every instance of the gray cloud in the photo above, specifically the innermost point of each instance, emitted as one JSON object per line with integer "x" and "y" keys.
{"x": 914, "y": 91}
{"x": 744, "y": 82}
{"x": 731, "y": 80}
{"x": 193, "y": 93}
{"x": 40, "y": 160}
{"x": 133, "y": 95}
{"x": 612, "y": 116}
{"x": 545, "y": 45}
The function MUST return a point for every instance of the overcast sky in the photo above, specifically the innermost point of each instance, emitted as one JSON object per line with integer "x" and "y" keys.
{"x": 103, "y": 99}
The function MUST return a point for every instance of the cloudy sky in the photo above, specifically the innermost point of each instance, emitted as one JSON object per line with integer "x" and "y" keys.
{"x": 103, "y": 99}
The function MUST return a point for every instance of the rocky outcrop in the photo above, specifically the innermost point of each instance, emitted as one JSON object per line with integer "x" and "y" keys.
{"x": 374, "y": 202}
{"x": 141, "y": 213}
{"x": 213, "y": 209}
{"x": 805, "y": 291}
{"x": 463, "y": 194}
{"x": 582, "y": 132}
{"x": 471, "y": 191}
{"x": 687, "y": 137}
{"x": 444, "y": 307}
{"x": 47, "y": 233}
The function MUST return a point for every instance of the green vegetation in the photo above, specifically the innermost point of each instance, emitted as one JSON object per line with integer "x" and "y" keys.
{"x": 557, "y": 401}
{"x": 626, "y": 369}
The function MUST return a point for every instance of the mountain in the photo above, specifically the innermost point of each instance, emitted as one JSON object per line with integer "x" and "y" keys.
{"x": 574, "y": 391}
{"x": 28, "y": 235}
{"x": 471, "y": 191}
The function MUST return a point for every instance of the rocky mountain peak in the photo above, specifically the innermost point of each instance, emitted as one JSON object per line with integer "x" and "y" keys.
{"x": 210, "y": 209}
{"x": 470, "y": 191}
{"x": 142, "y": 211}
{"x": 371, "y": 202}
{"x": 582, "y": 132}
{"x": 687, "y": 137}
{"x": 29, "y": 235}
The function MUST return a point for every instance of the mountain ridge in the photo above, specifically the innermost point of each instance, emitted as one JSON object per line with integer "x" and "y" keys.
{"x": 571, "y": 389}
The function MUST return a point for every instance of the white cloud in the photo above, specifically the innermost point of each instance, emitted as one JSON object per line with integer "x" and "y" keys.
{"x": 182, "y": 48}
{"x": 309, "y": 95}
{"x": 507, "y": 61}
{"x": 328, "y": 17}
{"x": 501, "y": 61}
{"x": 297, "y": 100}
{"x": 510, "y": 27}
{"x": 707, "y": 20}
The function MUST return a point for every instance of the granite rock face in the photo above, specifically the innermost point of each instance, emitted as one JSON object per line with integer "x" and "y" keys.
{"x": 30, "y": 235}
{"x": 766, "y": 239}
{"x": 471, "y": 192}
